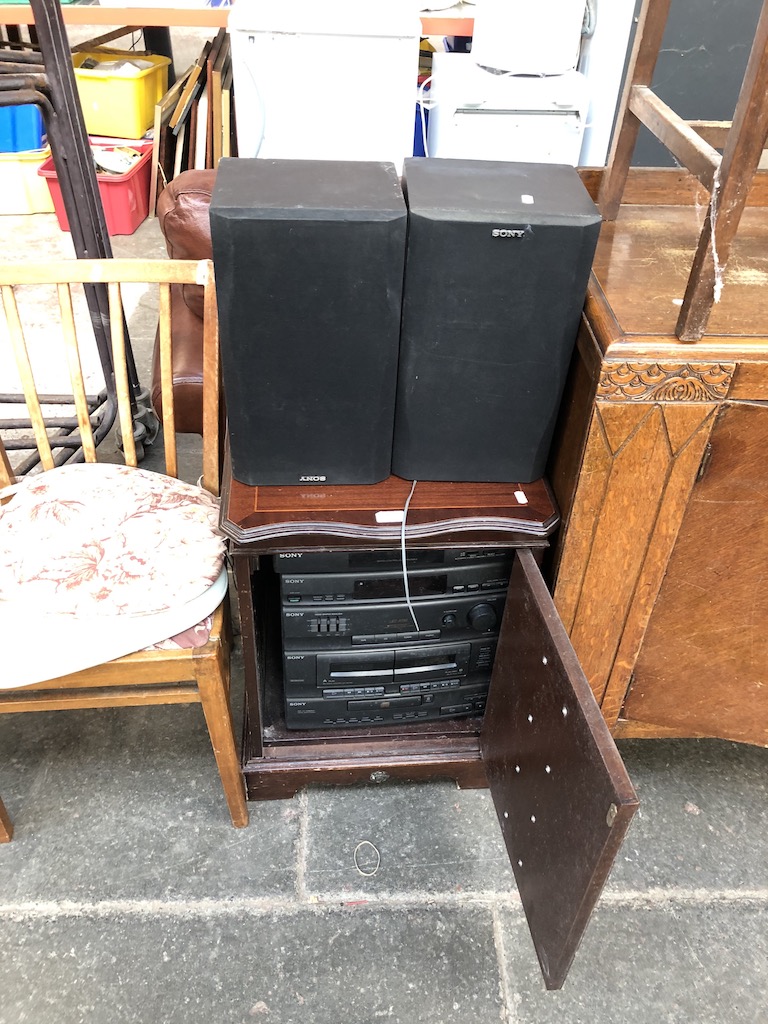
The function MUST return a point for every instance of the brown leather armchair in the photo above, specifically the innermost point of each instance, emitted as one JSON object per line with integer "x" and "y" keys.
{"x": 182, "y": 213}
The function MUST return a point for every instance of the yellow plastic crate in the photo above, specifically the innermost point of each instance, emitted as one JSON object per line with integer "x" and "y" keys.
{"x": 22, "y": 190}
{"x": 115, "y": 104}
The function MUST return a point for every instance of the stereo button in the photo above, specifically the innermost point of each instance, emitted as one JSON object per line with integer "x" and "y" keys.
{"x": 456, "y": 709}
{"x": 294, "y": 598}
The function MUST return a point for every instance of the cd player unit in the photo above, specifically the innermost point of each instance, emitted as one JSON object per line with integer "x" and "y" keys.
{"x": 356, "y": 655}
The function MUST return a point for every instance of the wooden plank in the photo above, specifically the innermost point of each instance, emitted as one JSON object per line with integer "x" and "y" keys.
{"x": 166, "y": 381}
{"x": 179, "y": 163}
{"x": 199, "y": 119}
{"x": 15, "y": 701}
{"x": 713, "y": 132}
{"x": 99, "y": 43}
{"x": 134, "y": 18}
{"x": 651, "y": 22}
{"x": 24, "y": 369}
{"x": 120, "y": 366}
{"x": 185, "y": 99}
{"x": 162, "y": 152}
{"x": 210, "y": 674}
{"x": 72, "y": 353}
{"x": 211, "y": 376}
{"x": 128, "y": 271}
{"x": 227, "y": 125}
{"x": 676, "y": 134}
{"x": 218, "y": 98}
{"x": 7, "y": 476}
{"x": 741, "y": 157}
{"x": 214, "y": 55}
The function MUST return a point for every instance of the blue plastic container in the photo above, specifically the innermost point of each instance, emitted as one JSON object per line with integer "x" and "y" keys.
{"x": 21, "y": 128}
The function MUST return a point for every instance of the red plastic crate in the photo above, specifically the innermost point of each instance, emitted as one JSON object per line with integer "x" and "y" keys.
{"x": 125, "y": 197}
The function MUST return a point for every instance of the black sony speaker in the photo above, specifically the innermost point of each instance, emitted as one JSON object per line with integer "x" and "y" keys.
{"x": 309, "y": 259}
{"x": 497, "y": 264}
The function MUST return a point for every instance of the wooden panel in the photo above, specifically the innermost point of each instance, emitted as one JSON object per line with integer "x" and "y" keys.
{"x": 688, "y": 427}
{"x": 702, "y": 665}
{"x": 576, "y": 540}
{"x": 750, "y": 382}
{"x": 563, "y": 798}
{"x": 572, "y": 431}
{"x": 641, "y": 457}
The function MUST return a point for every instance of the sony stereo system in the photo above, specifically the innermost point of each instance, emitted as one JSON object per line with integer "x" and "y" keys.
{"x": 369, "y": 327}
{"x": 356, "y": 655}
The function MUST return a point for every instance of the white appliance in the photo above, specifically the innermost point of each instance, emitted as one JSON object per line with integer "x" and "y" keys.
{"x": 475, "y": 114}
{"x": 528, "y": 37}
{"x": 603, "y": 56}
{"x": 325, "y": 81}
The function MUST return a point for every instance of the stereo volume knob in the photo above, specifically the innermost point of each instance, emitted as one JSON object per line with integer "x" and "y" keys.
{"x": 482, "y": 617}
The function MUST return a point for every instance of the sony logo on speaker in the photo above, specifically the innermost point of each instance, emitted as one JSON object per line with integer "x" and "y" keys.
{"x": 312, "y": 479}
{"x": 507, "y": 232}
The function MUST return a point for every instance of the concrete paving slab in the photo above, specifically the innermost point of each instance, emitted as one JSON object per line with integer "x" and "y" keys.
{"x": 410, "y": 838}
{"x": 673, "y": 964}
{"x": 703, "y": 816}
{"x": 228, "y": 966}
{"x": 127, "y": 804}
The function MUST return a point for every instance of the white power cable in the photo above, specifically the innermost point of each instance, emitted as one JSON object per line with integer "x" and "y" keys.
{"x": 402, "y": 555}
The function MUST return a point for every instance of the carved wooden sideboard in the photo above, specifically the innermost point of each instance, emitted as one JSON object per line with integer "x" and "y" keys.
{"x": 661, "y": 472}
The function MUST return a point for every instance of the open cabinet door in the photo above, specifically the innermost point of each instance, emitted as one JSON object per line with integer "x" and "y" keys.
{"x": 561, "y": 792}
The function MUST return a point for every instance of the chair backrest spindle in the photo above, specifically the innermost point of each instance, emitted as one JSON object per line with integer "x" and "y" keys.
{"x": 69, "y": 434}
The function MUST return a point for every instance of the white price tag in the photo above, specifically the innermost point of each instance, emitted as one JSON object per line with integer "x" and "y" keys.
{"x": 394, "y": 515}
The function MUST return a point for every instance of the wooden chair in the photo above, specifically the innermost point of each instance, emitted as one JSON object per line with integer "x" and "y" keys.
{"x": 695, "y": 144}
{"x": 149, "y": 676}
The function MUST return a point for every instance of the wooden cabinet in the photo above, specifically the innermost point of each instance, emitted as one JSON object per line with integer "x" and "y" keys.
{"x": 659, "y": 469}
{"x": 562, "y": 795}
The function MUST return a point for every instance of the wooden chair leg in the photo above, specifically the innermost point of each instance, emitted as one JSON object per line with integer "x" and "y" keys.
{"x": 212, "y": 683}
{"x": 6, "y": 828}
